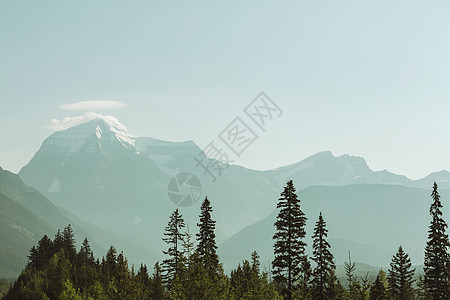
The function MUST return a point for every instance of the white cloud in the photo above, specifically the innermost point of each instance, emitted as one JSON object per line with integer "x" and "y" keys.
{"x": 93, "y": 105}
{"x": 68, "y": 122}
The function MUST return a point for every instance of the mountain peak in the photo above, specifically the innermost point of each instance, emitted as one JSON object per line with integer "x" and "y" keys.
{"x": 109, "y": 124}
{"x": 442, "y": 178}
{"x": 321, "y": 155}
{"x": 93, "y": 132}
{"x": 108, "y": 121}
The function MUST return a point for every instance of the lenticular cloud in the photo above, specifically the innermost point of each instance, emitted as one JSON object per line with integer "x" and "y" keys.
{"x": 93, "y": 105}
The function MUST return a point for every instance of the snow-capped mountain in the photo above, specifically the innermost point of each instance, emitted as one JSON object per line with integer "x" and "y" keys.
{"x": 112, "y": 179}
{"x": 106, "y": 176}
{"x": 104, "y": 133}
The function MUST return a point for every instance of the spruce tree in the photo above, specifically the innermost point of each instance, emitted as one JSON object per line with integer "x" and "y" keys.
{"x": 349, "y": 267}
{"x": 400, "y": 276}
{"x": 157, "y": 290}
{"x": 174, "y": 237}
{"x": 378, "y": 290}
{"x": 437, "y": 261}
{"x": 86, "y": 269}
{"x": 188, "y": 246}
{"x": 323, "y": 274}
{"x": 289, "y": 247}
{"x": 69, "y": 243}
{"x": 143, "y": 282}
{"x": 206, "y": 247}
{"x": 85, "y": 256}
{"x": 40, "y": 255}
{"x": 255, "y": 262}
{"x": 58, "y": 242}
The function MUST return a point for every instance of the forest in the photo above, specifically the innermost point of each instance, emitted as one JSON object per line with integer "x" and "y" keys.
{"x": 192, "y": 268}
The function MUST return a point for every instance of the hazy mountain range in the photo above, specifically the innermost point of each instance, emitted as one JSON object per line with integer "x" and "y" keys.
{"x": 112, "y": 187}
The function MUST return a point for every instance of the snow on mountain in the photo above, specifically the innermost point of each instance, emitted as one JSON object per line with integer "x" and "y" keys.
{"x": 102, "y": 133}
{"x": 106, "y": 176}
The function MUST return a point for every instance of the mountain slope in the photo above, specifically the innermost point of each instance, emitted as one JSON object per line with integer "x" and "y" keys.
{"x": 370, "y": 220}
{"x": 122, "y": 186}
{"x": 26, "y": 215}
{"x": 103, "y": 175}
{"x": 19, "y": 230}
{"x": 324, "y": 168}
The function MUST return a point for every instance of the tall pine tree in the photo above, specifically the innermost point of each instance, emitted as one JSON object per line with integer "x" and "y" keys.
{"x": 323, "y": 274}
{"x": 437, "y": 261}
{"x": 289, "y": 248}
{"x": 206, "y": 247}
{"x": 378, "y": 290}
{"x": 400, "y": 277}
{"x": 69, "y": 243}
{"x": 174, "y": 237}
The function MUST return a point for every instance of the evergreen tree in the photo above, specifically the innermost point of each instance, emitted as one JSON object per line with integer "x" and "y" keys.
{"x": 122, "y": 279}
{"x": 174, "y": 238}
{"x": 69, "y": 243}
{"x": 58, "y": 271}
{"x": 323, "y": 274}
{"x": 378, "y": 290}
{"x": 349, "y": 269}
{"x": 255, "y": 262}
{"x": 109, "y": 264}
{"x": 206, "y": 247}
{"x": 437, "y": 262}
{"x": 58, "y": 242}
{"x": 248, "y": 283}
{"x": 40, "y": 255}
{"x": 87, "y": 268}
{"x": 188, "y": 246}
{"x": 356, "y": 290}
{"x": 421, "y": 290}
{"x": 289, "y": 248}
{"x": 400, "y": 277}
{"x": 157, "y": 291}
{"x": 144, "y": 282}
{"x": 85, "y": 256}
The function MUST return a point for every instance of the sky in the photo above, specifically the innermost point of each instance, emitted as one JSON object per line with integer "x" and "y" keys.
{"x": 367, "y": 78}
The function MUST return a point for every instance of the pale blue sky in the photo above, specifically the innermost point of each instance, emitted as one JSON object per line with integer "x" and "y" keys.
{"x": 368, "y": 78}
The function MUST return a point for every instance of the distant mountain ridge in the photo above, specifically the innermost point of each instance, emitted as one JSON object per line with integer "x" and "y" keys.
{"x": 370, "y": 220}
{"x": 114, "y": 180}
{"x": 324, "y": 168}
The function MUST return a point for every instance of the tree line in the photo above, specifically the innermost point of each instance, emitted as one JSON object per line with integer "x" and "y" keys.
{"x": 298, "y": 277}
{"x": 192, "y": 269}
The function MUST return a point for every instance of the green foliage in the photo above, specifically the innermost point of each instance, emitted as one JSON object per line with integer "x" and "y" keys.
{"x": 349, "y": 269}
{"x": 4, "y": 287}
{"x": 175, "y": 239}
{"x": 437, "y": 260}
{"x": 206, "y": 238}
{"x": 247, "y": 282}
{"x": 324, "y": 279}
{"x": 400, "y": 276}
{"x": 378, "y": 290}
{"x": 79, "y": 276}
{"x": 421, "y": 291}
{"x": 290, "y": 263}
{"x": 55, "y": 270}
{"x": 357, "y": 289}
